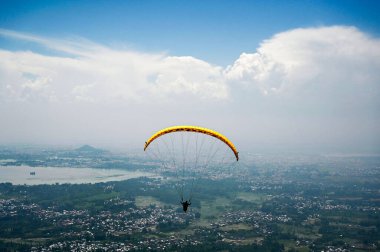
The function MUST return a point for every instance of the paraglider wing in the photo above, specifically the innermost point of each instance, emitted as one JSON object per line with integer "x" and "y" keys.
{"x": 193, "y": 129}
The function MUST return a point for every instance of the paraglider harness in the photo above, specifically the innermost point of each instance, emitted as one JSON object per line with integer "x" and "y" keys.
{"x": 185, "y": 204}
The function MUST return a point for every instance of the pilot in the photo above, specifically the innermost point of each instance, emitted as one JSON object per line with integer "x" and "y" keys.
{"x": 185, "y": 205}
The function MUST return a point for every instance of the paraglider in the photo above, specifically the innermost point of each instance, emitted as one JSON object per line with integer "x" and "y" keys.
{"x": 186, "y": 152}
{"x": 193, "y": 129}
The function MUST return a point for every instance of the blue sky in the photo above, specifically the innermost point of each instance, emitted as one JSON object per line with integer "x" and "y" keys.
{"x": 215, "y": 31}
{"x": 271, "y": 75}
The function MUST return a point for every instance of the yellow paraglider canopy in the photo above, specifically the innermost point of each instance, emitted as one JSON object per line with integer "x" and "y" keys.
{"x": 193, "y": 129}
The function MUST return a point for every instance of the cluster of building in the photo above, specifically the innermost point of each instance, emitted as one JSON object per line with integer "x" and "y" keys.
{"x": 156, "y": 244}
{"x": 81, "y": 229}
{"x": 125, "y": 225}
{"x": 258, "y": 220}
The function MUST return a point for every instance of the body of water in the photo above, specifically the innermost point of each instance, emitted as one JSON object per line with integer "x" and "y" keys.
{"x": 19, "y": 175}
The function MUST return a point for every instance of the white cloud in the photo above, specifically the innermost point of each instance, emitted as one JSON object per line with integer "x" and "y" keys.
{"x": 99, "y": 74}
{"x": 314, "y": 61}
{"x": 187, "y": 74}
{"x": 325, "y": 60}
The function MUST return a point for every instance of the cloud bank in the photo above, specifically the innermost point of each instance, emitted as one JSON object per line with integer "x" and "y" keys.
{"x": 302, "y": 60}
{"x": 94, "y": 73}
{"x": 319, "y": 75}
{"x": 326, "y": 58}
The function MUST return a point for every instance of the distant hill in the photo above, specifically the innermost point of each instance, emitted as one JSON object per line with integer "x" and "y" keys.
{"x": 89, "y": 149}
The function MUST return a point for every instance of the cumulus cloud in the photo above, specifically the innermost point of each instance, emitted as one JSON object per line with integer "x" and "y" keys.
{"x": 319, "y": 61}
{"x": 322, "y": 60}
{"x": 95, "y": 73}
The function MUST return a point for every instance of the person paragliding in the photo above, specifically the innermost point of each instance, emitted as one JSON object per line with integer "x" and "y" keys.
{"x": 185, "y": 204}
{"x": 186, "y": 152}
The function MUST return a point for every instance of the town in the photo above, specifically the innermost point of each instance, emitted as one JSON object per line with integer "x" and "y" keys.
{"x": 268, "y": 203}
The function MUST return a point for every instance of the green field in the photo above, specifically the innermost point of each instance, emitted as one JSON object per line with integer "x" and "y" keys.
{"x": 145, "y": 201}
{"x": 252, "y": 197}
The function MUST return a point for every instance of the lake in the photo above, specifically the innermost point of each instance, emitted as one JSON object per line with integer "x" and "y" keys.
{"x": 19, "y": 175}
